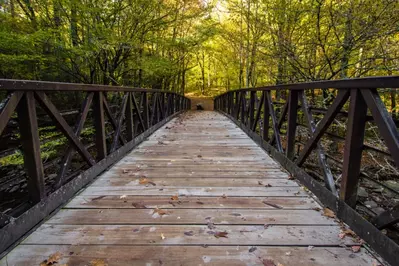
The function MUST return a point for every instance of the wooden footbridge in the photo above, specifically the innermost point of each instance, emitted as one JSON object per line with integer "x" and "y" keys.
{"x": 159, "y": 185}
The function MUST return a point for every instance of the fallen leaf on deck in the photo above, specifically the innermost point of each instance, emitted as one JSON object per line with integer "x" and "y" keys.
{"x": 316, "y": 209}
{"x": 310, "y": 247}
{"x": 252, "y": 249}
{"x": 200, "y": 202}
{"x": 98, "y": 262}
{"x": 221, "y": 234}
{"x": 161, "y": 142}
{"x": 199, "y": 156}
{"x": 211, "y": 225}
{"x": 145, "y": 181}
{"x": 52, "y": 259}
{"x": 272, "y": 205}
{"x": 189, "y": 233}
{"x": 175, "y": 197}
{"x": 123, "y": 197}
{"x": 97, "y": 198}
{"x": 268, "y": 185}
{"x": 224, "y": 196}
{"x": 288, "y": 253}
{"x": 355, "y": 249}
{"x": 260, "y": 183}
{"x": 347, "y": 232}
{"x": 291, "y": 177}
{"x": 160, "y": 211}
{"x": 267, "y": 262}
{"x": 328, "y": 213}
{"x": 139, "y": 205}
{"x": 162, "y": 236}
{"x": 280, "y": 264}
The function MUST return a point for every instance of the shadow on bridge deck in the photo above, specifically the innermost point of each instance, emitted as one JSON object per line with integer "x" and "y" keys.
{"x": 198, "y": 191}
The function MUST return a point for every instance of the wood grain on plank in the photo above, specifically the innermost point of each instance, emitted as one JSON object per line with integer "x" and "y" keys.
{"x": 187, "y": 255}
{"x": 52, "y": 234}
{"x": 190, "y": 216}
{"x": 165, "y": 202}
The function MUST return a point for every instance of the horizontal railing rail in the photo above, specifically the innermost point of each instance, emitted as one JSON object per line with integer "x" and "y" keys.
{"x": 296, "y": 136}
{"x": 111, "y": 121}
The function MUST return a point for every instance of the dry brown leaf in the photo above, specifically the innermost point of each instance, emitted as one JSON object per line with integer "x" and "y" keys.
{"x": 98, "y": 262}
{"x": 252, "y": 249}
{"x": 328, "y": 213}
{"x": 267, "y": 262}
{"x": 272, "y": 205}
{"x": 220, "y": 234}
{"x": 347, "y": 232}
{"x": 355, "y": 249}
{"x": 189, "y": 233}
{"x": 139, "y": 205}
{"x": 97, "y": 198}
{"x": 52, "y": 259}
{"x": 160, "y": 211}
{"x": 268, "y": 185}
{"x": 175, "y": 197}
{"x": 200, "y": 202}
{"x": 145, "y": 181}
{"x": 260, "y": 183}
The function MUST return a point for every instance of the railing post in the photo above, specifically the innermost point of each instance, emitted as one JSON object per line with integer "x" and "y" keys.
{"x": 146, "y": 117}
{"x": 244, "y": 104}
{"x": 292, "y": 117}
{"x": 99, "y": 125}
{"x": 266, "y": 116}
{"x": 252, "y": 109}
{"x": 31, "y": 147}
{"x": 353, "y": 147}
{"x": 129, "y": 118}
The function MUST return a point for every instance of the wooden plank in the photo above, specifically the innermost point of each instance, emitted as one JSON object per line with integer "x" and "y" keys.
{"x": 164, "y": 202}
{"x": 51, "y": 234}
{"x": 187, "y": 255}
{"x": 129, "y": 181}
{"x": 197, "y": 191}
{"x": 189, "y": 216}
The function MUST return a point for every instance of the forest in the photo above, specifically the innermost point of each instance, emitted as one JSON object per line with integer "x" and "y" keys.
{"x": 166, "y": 49}
{"x": 199, "y": 46}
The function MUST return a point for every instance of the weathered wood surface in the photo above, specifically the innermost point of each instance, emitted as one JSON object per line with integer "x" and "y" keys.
{"x": 167, "y": 202}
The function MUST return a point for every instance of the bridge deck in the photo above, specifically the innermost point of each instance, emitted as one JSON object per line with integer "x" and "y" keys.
{"x": 198, "y": 191}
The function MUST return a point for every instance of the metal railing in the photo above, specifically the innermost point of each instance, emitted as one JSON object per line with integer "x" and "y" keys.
{"x": 271, "y": 116}
{"x": 109, "y": 133}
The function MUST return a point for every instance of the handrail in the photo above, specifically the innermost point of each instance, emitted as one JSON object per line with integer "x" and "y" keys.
{"x": 252, "y": 109}
{"x": 34, "y": 85}
{"x": 141, "y": 112}
{"x": 359, "y": 83}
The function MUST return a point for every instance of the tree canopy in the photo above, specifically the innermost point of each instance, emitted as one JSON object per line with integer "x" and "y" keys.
{"x": 205, "y": 46}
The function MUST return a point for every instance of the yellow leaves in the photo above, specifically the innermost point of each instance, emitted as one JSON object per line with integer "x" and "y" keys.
{"x": 98, "y": 262}
{"x": 347, "y": 232}
{"x": 328, "y": 213}
{"x": 160, "y": 211}
{"x": 52, "y": 259}
{"x": 175, "y": 197}
{"x": 144, "y": 181}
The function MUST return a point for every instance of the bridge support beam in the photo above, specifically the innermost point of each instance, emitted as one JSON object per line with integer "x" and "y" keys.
{"x": 31, "y": 146}
{"x": 353, "y": 147}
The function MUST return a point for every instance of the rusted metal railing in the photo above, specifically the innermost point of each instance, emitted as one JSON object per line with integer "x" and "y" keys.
{"x": 278, "y": 130}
